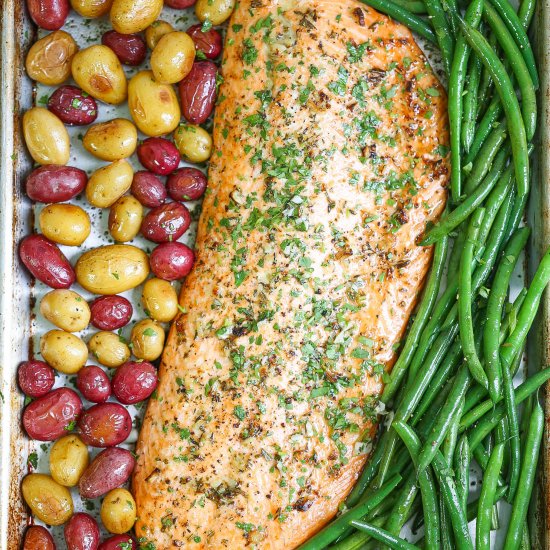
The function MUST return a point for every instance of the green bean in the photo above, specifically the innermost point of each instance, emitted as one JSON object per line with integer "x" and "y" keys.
{"x": 462, "y": 471}
{"x": 509, "y": 101}
{"x": 447, "y": 542}
{"x": 495, "y": 305}
{"x": 528, "y": 311}
{"x": 358, "y": 539}
{"x": 456, "y": 86}
{"x": 402, "y": 507}
{"x": 458, "y": 243}
{"x": 487, "y": 125}
{"x": 367, "y": 475}
{"x": 526, "y": 480}
{"x": 404, "y": 16}
{"x": 526, "y": 12}
{"x": 470, "y": 102}
{"x": 510, "y": 17}
{"x": 519, "y": 68}
{"x": 485, "y": 92}
{"x": 383, "y": 536}
{"x": 414, "y": 6}
{"x": 429, "y": 297}
{"x": 465, "y": 302}
{"x": 333, "y": 530}
{"x": 487, "y": 497}
{"x": 472, "y": 506}
{"x": 443, "y": 33}
{"x": 516, "y": 216}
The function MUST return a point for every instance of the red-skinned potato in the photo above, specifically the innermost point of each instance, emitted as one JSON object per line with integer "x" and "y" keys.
{"x": 73, "y": 106}
{"x": 51, "y": 416}
{"x": 186, "y": 184}
{"x": 111, "y": 468}
{"x": 110, "y": 312}
{"x": 49, "y": 14}
{"x": 82, "y": 532}
{"x": 46, "y": 262}
{"x": 38, "y": 538}
{"x": 104, "y": 425}
{"x": 93, "y": 384}
{"x": 55, "y": 183}
{"x": 198, "y": 92}
{"x": 134, "y": 382}
{"x": 172, "y": 261}
{"x": 129, "y": 48}
{"x": 158, "y": 155}
{"x": 118, "y": 541}
{"x": 148, "y": 189}
{"x": 208, "y": 42}
{"x": 179, "y": 4}
{"x": 166, "y": 223}
{"x": 36, "y": 378}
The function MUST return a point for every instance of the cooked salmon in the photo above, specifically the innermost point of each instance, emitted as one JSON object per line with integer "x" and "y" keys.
{"x": 330, "y": 159}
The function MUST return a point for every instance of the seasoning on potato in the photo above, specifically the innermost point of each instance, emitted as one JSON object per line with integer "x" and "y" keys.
{"x": 98, "y": 72}
{"x": 49, "y": 59}
{"x": 66, "y": 224}
{"x": 172, "y": 58}
{"x": 118, "y": 511}
{"x": 193, "y": 142}
{"x": 68, "y": 460}
{"x": 109, "y": 349}
{"x": 112, "y": 140}
{"x": 91, "y": 8}
{"x": 107, "y": 184}
{"x": 49, "y": 501}
{"x": 156, "y": 31}
{"x": 46, "y": 137}
{"x": 131, "y": 16}
{"x": 159, "y": 300}
{"x": 147, "y": 340}
{"x": 215, "y": 11}
{"x": 112, "y": 269}
{"x": 66, "y": 309}
{"x": 125, "y": 218}
{"x": 154, "y": 106}
{"x": 63, "y": 351}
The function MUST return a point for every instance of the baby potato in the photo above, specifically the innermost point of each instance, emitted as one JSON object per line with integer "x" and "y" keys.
{"x": 131, "y": 16}
{"x": 46, "y": 137}
{"x": 49, "y": 59}
{"x": 68, "y": 460}
{"x": 125, "y": 218}
{"x": 159, "y": 300}
{"x": 193, "y": 142}
{"x": 147, "y": 340}
{"x": 215, "y": 11}
{"x": 172, "y": 58}
{"x": 107, "y": 184}
{"x": 66, "y": 224}
{"x": 109, "y": 349}
{"x": 156, "y": 31}
{"x": 118, "y": 511}
{"x": 112, "y": 269}
{"x": 112, "y": 140}
{"x": 66, "y": 309}
{"x": 49, "y": 501}
{"x": 98, "y": 72}
{"x": 91, "y": 8}
{"x": 63, "y": 351}
{"x": 154, "y": 107}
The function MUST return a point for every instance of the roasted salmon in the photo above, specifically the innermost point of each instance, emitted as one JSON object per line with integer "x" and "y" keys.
{"x": 330, "y": 160}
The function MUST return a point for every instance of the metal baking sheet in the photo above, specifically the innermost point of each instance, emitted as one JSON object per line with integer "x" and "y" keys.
{"x": 21, "y": 325}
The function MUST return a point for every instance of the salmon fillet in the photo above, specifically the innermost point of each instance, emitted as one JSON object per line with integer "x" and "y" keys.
{"x": 330, "y": 159}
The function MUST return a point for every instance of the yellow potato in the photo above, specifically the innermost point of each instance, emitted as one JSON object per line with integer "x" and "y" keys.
{"x": 172, "y": 58}
{"x": 98, "y": 72}
{"x": 193, "y": 142}
{"x": 215, "y": 11}
{"x": 68, "y": 460}
{"x": 154, "y": 107}
{"x": 147, "y": 340}
{"x": 49, "y": 502}
{"x": 66, "y": 309}
{"x": 112, "y": 269}
{"x": 109, "y": 349}
{"x": 125, "y": 219}
{"x": 49, "y": 59}
{"x": 46, "y": 137}
{"x": 156, "y": 31}
{"x": 112, "y": 140}
{"x": 118, "y": 511}
{"x": 107, "y": 184}
{"x": 63, "y": 351}
{"x": 159, "y": 300}
{"x": 66, "y": 224}
{"x": 91, "y": 8}
{"x": 130, "y": 16}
